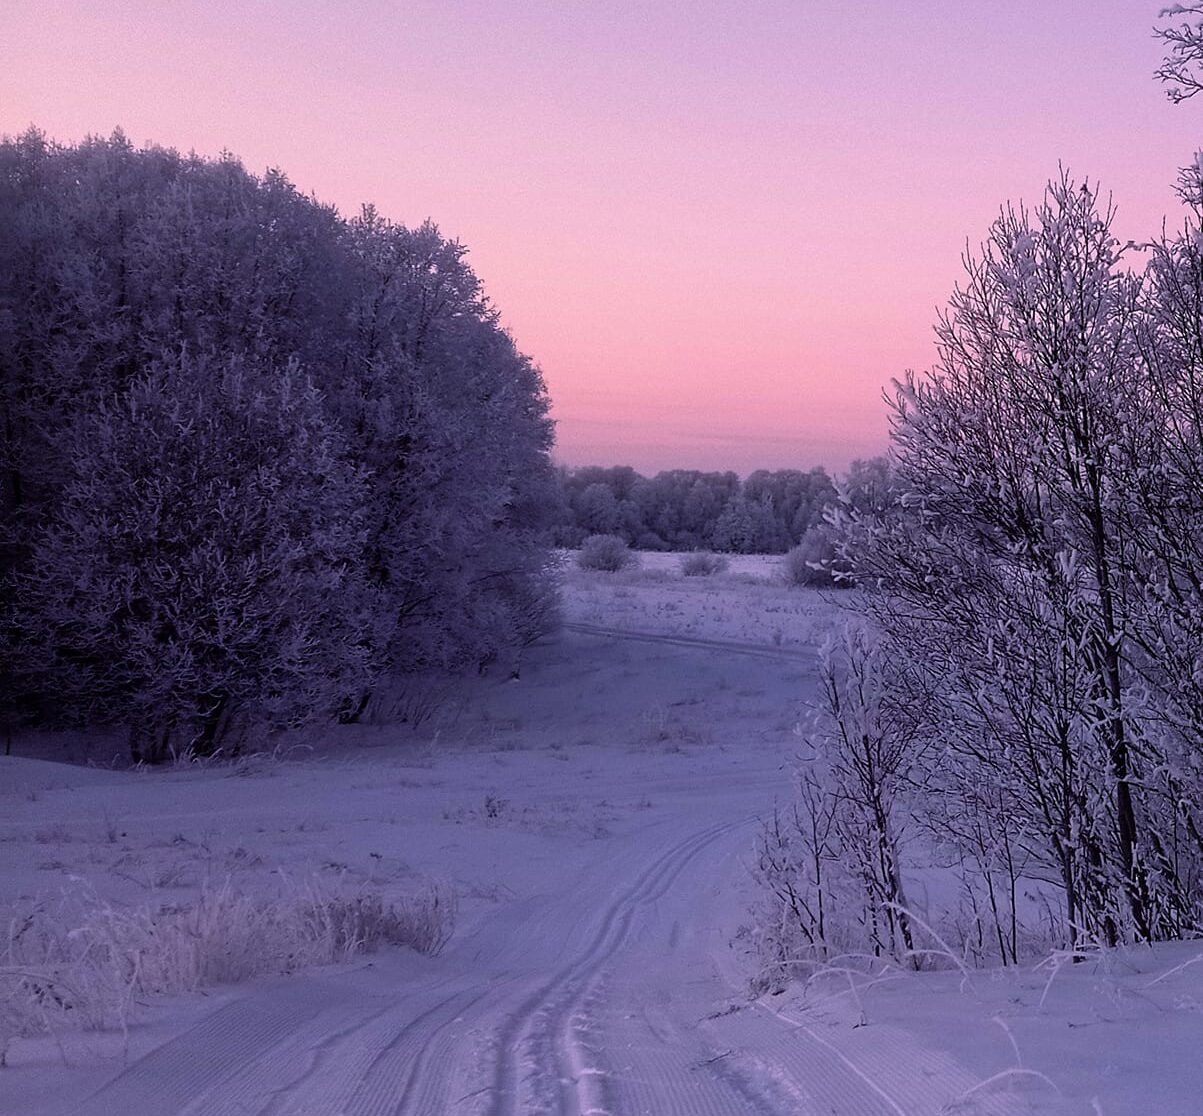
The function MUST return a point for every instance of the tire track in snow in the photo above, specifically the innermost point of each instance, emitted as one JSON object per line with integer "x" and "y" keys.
{"x": 417, "y": 1066}
{"x": 663, "y": 1066}
{"x": 233, "y": 1038}
{"x": 329, "y": 1076}
{"x": 663, "y": 1056}
{"x": 542, "y": 1024}
{"x": 265, "y": 1083}
{"x": 360, "y": 1063}
{"x": 401, "y": 1080}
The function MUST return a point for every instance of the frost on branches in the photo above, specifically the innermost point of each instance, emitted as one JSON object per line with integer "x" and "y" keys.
{"x": 1183, "y": 38}
{"x": 1037, "y": 592}
{"x": 254, "y": 458}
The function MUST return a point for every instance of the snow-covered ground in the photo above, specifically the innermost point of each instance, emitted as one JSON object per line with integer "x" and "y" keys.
{"x": 595, "y": 817}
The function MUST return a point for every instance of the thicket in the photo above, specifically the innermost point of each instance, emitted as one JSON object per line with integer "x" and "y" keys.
{"x": 1024, "y": 703}
{"x": 254, "y": 456}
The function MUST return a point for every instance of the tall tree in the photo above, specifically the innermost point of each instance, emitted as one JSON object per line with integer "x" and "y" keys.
{"x": 1014, "y": 576}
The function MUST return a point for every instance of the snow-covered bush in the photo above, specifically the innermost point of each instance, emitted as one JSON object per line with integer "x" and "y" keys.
{"x": 702, "y": 563}
{"x": 812, "y": 563}
{"x": 607, "y": 553}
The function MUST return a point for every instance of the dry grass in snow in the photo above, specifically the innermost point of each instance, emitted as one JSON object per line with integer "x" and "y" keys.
{"x": 84, "y": 963}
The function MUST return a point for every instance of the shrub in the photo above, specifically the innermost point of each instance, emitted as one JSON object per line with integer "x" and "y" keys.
{"x": 608, "y": 553}
{"x": 813, "y": 562}
{"x": 701, "y": 563}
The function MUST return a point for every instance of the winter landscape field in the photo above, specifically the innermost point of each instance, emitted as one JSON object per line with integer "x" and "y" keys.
{"x": 588, "y": 830}
{"x": 537, "y": 616}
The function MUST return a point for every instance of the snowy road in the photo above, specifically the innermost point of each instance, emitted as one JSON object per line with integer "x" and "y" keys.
{"x": 609, "y": 998}
{"x": 603, "y": 980}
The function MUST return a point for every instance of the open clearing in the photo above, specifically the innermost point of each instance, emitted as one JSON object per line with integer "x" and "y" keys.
{"x": 594, "y": 818}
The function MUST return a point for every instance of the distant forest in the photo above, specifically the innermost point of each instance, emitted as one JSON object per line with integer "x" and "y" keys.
{"x": 685, "y": 509}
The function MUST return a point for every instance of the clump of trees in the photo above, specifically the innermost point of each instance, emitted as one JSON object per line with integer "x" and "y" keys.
{"x": 684, "y": 509}
{"x": 1038, "y": 610}
{"x": 253, "y": 456}
{"x": 1035, "y": 598}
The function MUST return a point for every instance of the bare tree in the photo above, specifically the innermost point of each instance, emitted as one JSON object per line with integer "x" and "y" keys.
{"x": 833, "y": 862}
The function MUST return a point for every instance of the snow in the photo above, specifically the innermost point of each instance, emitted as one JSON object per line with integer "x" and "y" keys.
{"x": 595, "y": 817}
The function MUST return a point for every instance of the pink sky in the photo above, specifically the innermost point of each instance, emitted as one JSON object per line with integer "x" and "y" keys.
{"x": 720, "y": 228}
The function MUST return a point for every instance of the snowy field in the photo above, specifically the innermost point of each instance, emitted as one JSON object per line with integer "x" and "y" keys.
{"x": 592, "y": 822}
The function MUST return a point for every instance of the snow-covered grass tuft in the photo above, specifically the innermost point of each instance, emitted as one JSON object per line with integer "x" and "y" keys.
{"x": 84, "y": 963}
{"x": 234, "y": 760}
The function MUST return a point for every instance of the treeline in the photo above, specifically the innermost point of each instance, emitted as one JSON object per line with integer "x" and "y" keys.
{"x": 254, "y": 456}
{"x": 685, "y": 509}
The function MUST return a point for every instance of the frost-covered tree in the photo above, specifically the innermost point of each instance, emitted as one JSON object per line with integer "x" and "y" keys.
{"x": 597, "y": 510}
{"x": 1017, "y": 582}
{"x": 202, "y": 564}
{"x": 450, "y": 421}
{"x": 738, "y": 527}
{"x": 1182, "y": 35}
{"x": 113, "y": 256}
{"x": 797, "y": 500}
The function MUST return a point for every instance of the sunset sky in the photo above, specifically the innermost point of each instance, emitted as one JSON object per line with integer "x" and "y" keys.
{"x": 720, "y": 228}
